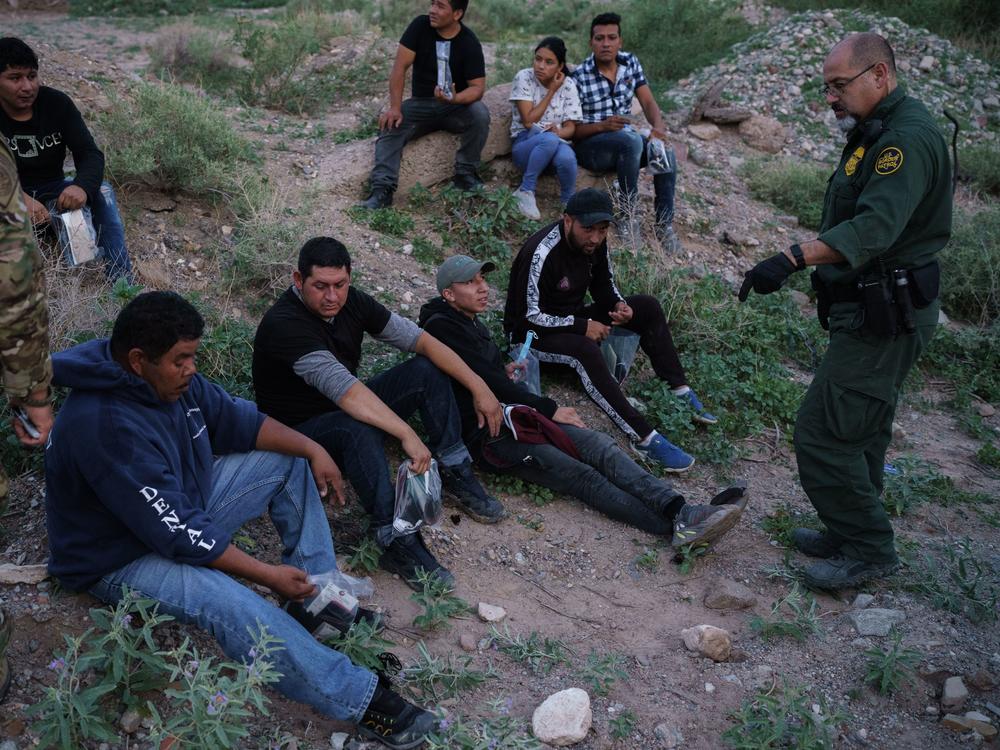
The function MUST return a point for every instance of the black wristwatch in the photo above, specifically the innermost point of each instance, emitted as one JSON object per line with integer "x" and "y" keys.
{"x": 800, "y": 259}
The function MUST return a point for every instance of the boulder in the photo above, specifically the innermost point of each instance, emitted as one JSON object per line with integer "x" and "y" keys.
{"x": 954, "y": 694}
{"x": 563, "y": 718}
{"x": 763, "y": 133}
{"x": 723, "y": 593}
{"x": 708, "y": 640}
{"x": 705, "y": 131}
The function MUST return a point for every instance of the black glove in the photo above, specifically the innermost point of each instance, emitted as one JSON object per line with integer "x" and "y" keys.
{"x": 767, "y": 276}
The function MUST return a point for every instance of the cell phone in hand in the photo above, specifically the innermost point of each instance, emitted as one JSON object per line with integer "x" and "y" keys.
{"x": 26, "y": 423}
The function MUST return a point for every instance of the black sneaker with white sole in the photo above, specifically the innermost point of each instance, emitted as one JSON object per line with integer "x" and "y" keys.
{"x": 395, "y": 722}
{"x": 462, "y": 490}
{"x": 407, "y": 556}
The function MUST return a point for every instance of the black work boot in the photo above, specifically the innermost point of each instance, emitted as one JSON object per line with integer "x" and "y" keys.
{"x": 814, "y": 543}
{"x": 841, "y": 572}
{"x": 381, "y": 197}
{"x": 467, "y": 182}
{"x": 408, "y": 555}
{"x": 331, "y": 621}
{"x": 394, "y": 722}
{"x": 466, "y": 493}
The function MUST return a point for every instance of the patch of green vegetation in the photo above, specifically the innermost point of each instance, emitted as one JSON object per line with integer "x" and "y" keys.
{"x": 792, "y": 616}
{"x": 367, "y": 128}
{"x": 956, "y": 581}
{"x": 889, "y": 669}
{"x": 981, "y": 162}
{"x": 438, "y": 601}
{"x": 541, "y": 654}
{"x": 780, "y": 524}
{"x": 161, "y": 135}
{"x": 200, "y": 55}
{"x": 226, "y": 354}
{"x": 970, "y": 358}
{"x": 389, "y": 221}
{"x": 794, "y": 187}
{"x": 989, "y": 455}
{"x": 436, "y": 678}
{"x": 363, "y": 645}
{"x": 160, "y": 7}
{"x": 784, "y": 719}
{"x": 623, "y": 724}
{"x": 916, "y": 482}
{"x": 602, "y": 671}
{"x": 499, "y": 731}
{"x": 511, "y": 485}
{"x": 364, "y": 558}
{"x": 970, "y": 267}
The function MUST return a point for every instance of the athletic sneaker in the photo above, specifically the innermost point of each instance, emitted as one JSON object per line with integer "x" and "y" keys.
{"x": 526, "y": 204}
{"x": 395, "y": 722}
{"x": 704, "y": 524}
{"x": 814, "y": 543}
{"x": 672, "y": 458}
{"x": 407, "y": 556}
{"x": 841, "y": 572}
{"x": 331, "y": 621}
{"x": 700, "y": 414}
{"x": 463, "y": 490}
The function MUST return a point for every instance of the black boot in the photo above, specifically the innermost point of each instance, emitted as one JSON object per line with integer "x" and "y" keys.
{"x": 331, "y": 621}
{"x": 466, "y": 493}
{"x": 381, "y": 197}
{"x": 407, "y": 556}
{"x": 395, "y": 723}
{"x": 469, "y": 183}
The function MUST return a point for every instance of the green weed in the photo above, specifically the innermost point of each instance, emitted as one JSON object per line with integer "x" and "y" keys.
{"x": 784, "y": 720}
{"x": 960, "y": 583}
{"x": 185, "y": 52}
{"x": 226, "y": 355}
{"x": 989, "y": 455}
{"x": 364, "y": 558}
{"x": 981, "y": 162}
{"x": 794, "y": 187}
{"x": 780, "y": 524}
{"x": 158, "y": 7}
{"x": 540, "y": 654}
{"x": 970, "y": 269}
{"x": 363, "y": 645}
{"x": 889, "y": 669}
{"x": 915, "y": 482}
{"x": 623, "y": 724}
{"x": 435, "y": 678}
{"x": 970, "y": 358}
{"x": 506, "y": 484}
{"x": 499, "y": 731}
{"x": 438, "y": 601}
{"x": 389, "y": 221}
{"x": 649, "y": 560}
{"x": 794, "y": 616}
{"x": 427, "y": 252}
{"x": 602, "y": 671}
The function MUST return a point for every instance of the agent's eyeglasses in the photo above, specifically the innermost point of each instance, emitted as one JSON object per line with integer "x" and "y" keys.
{"x": 838, "y": 89}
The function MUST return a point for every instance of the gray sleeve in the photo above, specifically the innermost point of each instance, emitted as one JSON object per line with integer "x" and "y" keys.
{"x": 325, "y": 373}
{"x": 401, "y": 333}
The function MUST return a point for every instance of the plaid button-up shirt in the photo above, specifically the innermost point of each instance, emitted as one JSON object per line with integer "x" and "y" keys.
{"x": 600, "y": 99}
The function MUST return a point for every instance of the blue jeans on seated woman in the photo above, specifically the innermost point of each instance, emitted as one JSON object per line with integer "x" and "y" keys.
{"x": 534, "y": 151}
{"x": 107, "y": 224}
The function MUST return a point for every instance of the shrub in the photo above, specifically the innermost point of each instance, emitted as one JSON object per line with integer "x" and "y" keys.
{"x": 164, "y": 136}
{"x": 188, "y": 53}
{"x": 158, "y": 7}
{"x": 970, "y": 358}
{"x": 794, "y": 187}
{"x": 970, "y": 267}
{"x": 981, "y": 162}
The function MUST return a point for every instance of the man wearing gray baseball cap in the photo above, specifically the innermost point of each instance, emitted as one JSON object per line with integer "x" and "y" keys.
{"x": 548, "y": 444}
{"x": 549, "y": 281}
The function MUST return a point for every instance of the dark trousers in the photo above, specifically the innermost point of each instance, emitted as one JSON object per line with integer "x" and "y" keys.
{"x": 425, "y": 115}
{"x": 411, "y": 387}
{"x": 584, "y": 356}
{"x": 844, "y": 427}
{"x": 606, "y": 478}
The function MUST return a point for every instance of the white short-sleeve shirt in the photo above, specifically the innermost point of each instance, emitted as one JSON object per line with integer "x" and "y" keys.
{"x": 565, "y": 104}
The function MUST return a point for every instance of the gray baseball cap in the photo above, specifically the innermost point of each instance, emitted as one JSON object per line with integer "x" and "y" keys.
{"x": 460, "y": 268}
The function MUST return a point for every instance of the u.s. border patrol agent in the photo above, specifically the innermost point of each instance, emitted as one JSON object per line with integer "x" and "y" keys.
{"x": 886, "y": 216}
{"x": 24, "y": 337}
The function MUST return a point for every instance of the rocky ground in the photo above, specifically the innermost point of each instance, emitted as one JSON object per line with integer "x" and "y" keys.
{"x": 561, "y": 570}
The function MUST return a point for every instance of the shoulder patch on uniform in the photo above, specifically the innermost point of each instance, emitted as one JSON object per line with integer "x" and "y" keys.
{"x": 889, "y": 160}
{"x": 852, "y": 164}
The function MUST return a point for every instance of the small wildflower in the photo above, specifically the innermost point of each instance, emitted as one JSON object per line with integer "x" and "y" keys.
{"x": 191, "y": 668}
{"x": 127, "y": 621}
{"x": 444, "y": 724}
{"x": 217, "y": 702}
{"x": 252, "y": 653}
{"x": 506, "y": 706}
{"x": 57, "y": 665}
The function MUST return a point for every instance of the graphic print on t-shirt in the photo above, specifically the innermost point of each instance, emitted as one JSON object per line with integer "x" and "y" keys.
{"x": 29, "y": 145}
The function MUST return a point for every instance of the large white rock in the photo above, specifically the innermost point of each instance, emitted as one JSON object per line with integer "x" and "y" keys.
{"x": 491, "y": 612}
{"x": 708, "y": 640}
{"x": 563, "y": 718}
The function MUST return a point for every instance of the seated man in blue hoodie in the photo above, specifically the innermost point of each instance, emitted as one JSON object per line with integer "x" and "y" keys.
{"x": 151, "y": 469}
{"x": 571, "y": 459}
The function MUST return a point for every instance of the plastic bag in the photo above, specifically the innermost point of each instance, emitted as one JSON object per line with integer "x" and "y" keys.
{"x": 76, "y": 234}
{"x": 531, "y": 375}
{"x": 338, "y": 594}
{"x": 619, "y": 350}
{"x": 444, "y": 81}
{"x": 660, "y": 159}
{"x": 418, "y": 499}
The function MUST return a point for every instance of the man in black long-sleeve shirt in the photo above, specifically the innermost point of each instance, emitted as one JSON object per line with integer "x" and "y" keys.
{"x": 601, "y": 474}
{"x": 39, "y": 124}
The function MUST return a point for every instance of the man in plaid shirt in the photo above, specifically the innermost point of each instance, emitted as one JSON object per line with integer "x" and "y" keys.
{"x": 605, "y": 140}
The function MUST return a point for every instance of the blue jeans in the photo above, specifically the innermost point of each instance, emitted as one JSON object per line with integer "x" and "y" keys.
{"x": 624, "y": 151}
{"x": 413, "y": 386}
{"x": 243, "y": 487}
{"x": 605, "y": 478}
{"x": 107, "y": 223}
{"x": 534, "y": 151}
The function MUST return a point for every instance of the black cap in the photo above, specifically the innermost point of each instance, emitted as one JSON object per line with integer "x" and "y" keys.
{"x": 590, "y": 206}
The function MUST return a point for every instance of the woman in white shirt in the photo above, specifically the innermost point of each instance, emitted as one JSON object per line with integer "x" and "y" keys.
{"x": 545, "y": 110}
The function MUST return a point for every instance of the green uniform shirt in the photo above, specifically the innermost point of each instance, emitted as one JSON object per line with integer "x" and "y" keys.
{"x": 890, "y": 200}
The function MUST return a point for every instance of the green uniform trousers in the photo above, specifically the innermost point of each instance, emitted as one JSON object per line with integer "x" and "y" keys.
{"x": 845, "y": 424}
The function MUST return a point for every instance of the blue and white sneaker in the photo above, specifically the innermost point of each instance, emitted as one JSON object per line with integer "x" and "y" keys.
{"x": 672, "y": 458}
{"x": 700, "y": 414}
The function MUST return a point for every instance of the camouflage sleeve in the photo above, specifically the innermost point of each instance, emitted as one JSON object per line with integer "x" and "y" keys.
{"x": 24, "y": 317}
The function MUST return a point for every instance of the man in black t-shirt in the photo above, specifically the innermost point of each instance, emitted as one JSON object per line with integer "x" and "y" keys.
{"x": 39, "y": 124}
{"x": 305, "y": 363}
{"x": 449, "y": 79}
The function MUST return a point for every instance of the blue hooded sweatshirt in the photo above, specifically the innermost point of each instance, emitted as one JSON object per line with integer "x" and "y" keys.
{"x": 127, "y": 474}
